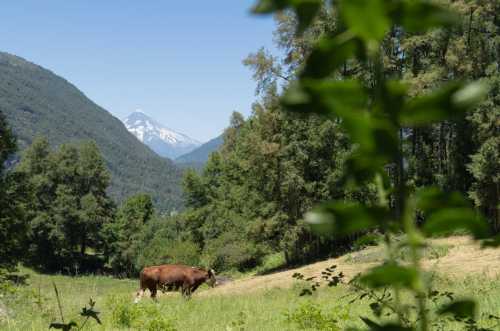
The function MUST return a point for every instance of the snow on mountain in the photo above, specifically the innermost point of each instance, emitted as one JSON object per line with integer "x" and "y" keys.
{"x": 164, "y": 141}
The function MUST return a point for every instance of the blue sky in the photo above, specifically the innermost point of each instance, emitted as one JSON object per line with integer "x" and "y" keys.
{"x": 178, "y": 61}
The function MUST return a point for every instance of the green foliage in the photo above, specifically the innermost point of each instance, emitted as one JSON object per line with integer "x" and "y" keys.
{"x": 392, "y": 275}
{"x": 375, "y": 113}
{"x": 343, "y": 219}
{"x": 369, "y": 239}
{"x": 86, "y": 313}
{"x": 309, "y": 316}
{"x": 125, "y": 234}
{"x": 305, "y": 10}
{"x": 65, "y": 204}
{"x": 124, "y": 314}
{"x": 12, "y": 225}
{"x": 460, "y": 309}
{"x": 36, "y": 102}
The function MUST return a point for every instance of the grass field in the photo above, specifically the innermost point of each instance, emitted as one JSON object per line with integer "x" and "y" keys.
{"x": 269, "y": 302}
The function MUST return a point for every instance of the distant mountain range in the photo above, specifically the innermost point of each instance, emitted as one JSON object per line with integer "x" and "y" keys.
{"x": 164, "y": 141}
{"x": 200, "y": 155}
{"x": 37, "y": 102}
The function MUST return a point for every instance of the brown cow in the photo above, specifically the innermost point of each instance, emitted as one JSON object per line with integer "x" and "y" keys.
{"x": 170, "y": 277}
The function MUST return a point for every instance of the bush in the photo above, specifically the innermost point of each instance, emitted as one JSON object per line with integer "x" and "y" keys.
{"x": 161, "y": 251}
{"x": 148, "y": 317}
{"x": 159, "y": 323}
{"x": 123, "y": 312}
{"x": 309, "y": 316}
{"x": 369, "y": 239}
{"x": 226, "y": 253}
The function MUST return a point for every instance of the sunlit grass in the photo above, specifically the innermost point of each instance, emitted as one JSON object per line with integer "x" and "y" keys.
{"x": 34, "y": 306}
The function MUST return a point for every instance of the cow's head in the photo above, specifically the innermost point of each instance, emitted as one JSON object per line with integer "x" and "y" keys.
{"x": 211, "y": 281}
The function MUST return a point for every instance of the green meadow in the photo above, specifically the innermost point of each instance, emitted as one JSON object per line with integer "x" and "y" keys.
{"x": 33, "y": 306}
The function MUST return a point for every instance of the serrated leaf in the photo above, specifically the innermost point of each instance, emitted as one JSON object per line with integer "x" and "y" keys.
{"x": 460, "y": 309}
{"x": 446, "y": 103}
{"x": 450, "y": 219}
{"x": 391, "y": 275}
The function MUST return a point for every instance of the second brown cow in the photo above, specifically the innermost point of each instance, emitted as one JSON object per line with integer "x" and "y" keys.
{"x": 172, "y": 277}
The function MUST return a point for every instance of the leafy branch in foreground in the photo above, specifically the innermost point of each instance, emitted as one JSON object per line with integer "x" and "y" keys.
{"x": 86, "y": 313}
{"x": 375, "y": 117}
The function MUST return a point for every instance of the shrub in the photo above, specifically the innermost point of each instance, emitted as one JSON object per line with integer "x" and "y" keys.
{"x": 309, "y": 316}
{"x": 161, "y": 251}
{"x": 159, "y": 323}
{"x": 227, "y": 252}
{"x": 123, "y": 312}
{"x": 369, "y": 239}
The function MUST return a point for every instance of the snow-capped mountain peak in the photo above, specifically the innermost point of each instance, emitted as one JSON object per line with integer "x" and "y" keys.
{"x": 164, "y": 141}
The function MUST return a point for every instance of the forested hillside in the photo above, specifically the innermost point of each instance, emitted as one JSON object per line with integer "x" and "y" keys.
{"x": 201, "y": 154}
{"x": 37, "y": 102}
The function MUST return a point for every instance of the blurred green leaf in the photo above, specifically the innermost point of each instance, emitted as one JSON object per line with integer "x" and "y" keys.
{"x": 390, "y": 99}
{"x": 363, "y": 168}
{"x": 431, "y": 199}
{"x": 448, "y": 102}
{"x": 366, "y": 18}
{"x": 391, "y": 275}
{"x": 446, "y": 220}
{"x": 384, "y": 327}
{"x": 492, "y": 242}
{"x": 420, "y": 16}
{"x": 330, "y": 98}
{"x": 270, "y": 6}
{"x": 343, "y": 219}
{"x": 330, "y": 53}
{"x": 460, "y": 309}
{"x": 376, "y": 137}
{"x": 306, "y": 10}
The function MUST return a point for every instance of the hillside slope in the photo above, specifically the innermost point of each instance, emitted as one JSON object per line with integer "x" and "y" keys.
{"x": 38, "y": 102}
{"x": 456, "y": 257}
{"x": 200, "y": 155}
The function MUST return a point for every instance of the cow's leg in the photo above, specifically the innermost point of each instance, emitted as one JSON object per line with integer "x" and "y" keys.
{"x": 186, "y": 291}
{"x": 193, "y": 289}
{"x": 153, "y": 291}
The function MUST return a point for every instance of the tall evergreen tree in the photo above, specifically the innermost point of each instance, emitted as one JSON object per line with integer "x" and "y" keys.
{"x": 68, "y": 204}
{"x": 12, "y": 225}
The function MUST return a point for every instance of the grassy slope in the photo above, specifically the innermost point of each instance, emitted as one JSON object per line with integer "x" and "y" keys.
{"x": 255, "y": 303}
